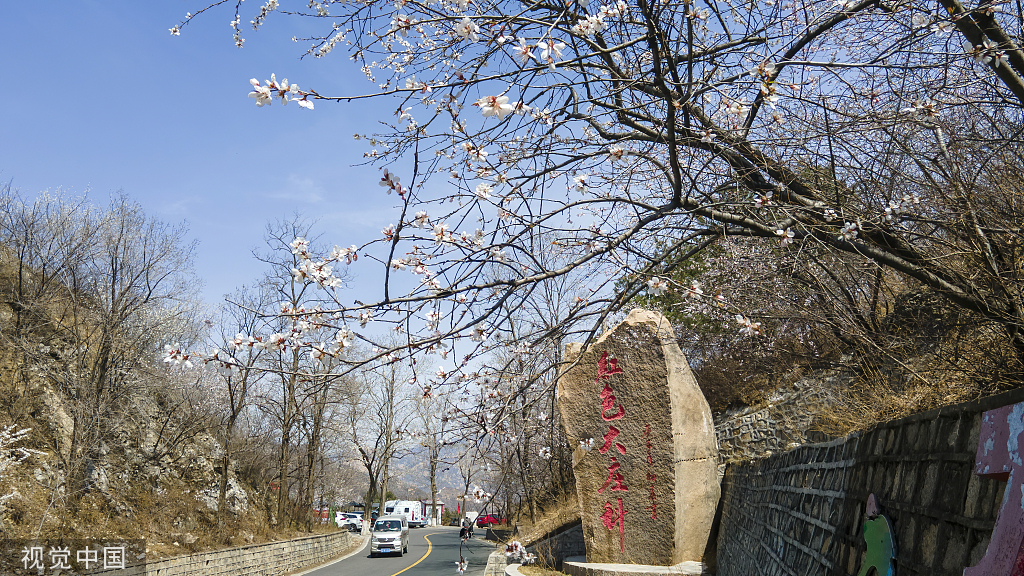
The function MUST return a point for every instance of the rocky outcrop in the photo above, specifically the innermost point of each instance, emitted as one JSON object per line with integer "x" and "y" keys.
{"x": 646, "y": 467}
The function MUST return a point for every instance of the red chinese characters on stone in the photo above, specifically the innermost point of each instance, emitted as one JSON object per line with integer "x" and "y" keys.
{"x": 606, "y": 368}
{"x": 608, "y": 438}
{"x": 612, "y": 410}
{"x": 608, "y": 403}
{"x": 612, "y": 518}
{"x": 614, "y": 476}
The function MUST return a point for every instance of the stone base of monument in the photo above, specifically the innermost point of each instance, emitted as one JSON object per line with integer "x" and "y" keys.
{"x": 578, "y": 566}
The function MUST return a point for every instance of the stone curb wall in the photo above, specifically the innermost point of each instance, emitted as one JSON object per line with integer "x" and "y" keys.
{"x": 270, "y": 559}
{"x": 800, "y": 513}
{"x": 496, "y": 563}
{"x": 576, "y": 567}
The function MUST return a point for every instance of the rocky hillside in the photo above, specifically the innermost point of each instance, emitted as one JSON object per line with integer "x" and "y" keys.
{"x": 154, "y": 474}
{"x": 122, "y": 446}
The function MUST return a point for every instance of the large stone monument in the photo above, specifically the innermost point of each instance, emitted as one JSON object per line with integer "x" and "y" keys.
{"x": 646, "y": 456}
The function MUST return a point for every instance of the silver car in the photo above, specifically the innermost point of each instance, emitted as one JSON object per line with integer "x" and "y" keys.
{"x": 390, "y": 535}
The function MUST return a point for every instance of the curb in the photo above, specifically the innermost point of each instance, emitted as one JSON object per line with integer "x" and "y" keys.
{"x": 577, "y": 566}
{"x": 513, "y": 570}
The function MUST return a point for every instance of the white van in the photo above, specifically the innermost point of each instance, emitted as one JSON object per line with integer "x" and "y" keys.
{"x": 410, "y": 509}
{"x": 390, "y": 534}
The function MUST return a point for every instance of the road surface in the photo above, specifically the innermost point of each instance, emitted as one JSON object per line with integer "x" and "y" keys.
{"x": 433, "y": 551}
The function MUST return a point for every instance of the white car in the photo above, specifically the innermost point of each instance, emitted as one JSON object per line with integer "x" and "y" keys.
{"x": 352, "y": 521}
{"x": 390, "y": 535}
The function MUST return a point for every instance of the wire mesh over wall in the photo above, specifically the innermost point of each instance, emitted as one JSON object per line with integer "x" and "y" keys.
{"x": 800, "y": 513}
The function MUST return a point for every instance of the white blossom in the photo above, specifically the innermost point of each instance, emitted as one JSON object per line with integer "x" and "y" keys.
{"x": 466, "y": 29}
{"x": 657, "y": 286}
{"x": 175, "y": 356}
{"x": 849, "y": 231}
{"x": 694, "y": 292}
{"x": 589, "y": 25}
{"x": 495, "y": 106}
{"x": 748, "y": 328}
{"x": 523, "y": 52}
{"x": 616, "y": 152}
{"x": 785, "y": 237}
{"x": 550, "y": 52}
{"x": 260, "y": 93}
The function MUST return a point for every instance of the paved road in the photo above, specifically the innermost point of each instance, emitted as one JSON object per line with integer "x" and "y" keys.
{"x": 432, "y": 552}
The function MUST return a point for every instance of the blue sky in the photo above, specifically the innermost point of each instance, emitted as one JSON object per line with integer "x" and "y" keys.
{"x": 100, "y": 97}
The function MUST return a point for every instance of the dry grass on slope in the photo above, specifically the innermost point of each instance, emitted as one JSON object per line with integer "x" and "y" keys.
{"x": 564, "y": 511}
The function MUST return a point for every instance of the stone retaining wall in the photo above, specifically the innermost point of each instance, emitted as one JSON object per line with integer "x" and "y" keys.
{"x": 270, "y": 559}
{"x": 567, "y": 542}
{"x": 800, "y": 513}
{"x": 783, "y": 423}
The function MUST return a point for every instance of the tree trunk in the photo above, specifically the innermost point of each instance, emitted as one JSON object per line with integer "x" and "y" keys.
{"x": 222, "y": 496}
{"x": 286, "y": 426}
{"x": 313, "y": 450}
{"x": 433, "y": 489}
{"x": 383, "y": 488}
{"x": 282, "y": 488}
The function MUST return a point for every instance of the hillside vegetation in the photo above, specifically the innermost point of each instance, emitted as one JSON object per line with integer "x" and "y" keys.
{"x": 121, "y": 446}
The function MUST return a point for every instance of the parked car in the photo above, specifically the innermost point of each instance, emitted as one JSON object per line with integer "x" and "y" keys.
{"x": 353, "y": 521}
{"x": 390, "y": 534}
{"x": 485, "y": 521}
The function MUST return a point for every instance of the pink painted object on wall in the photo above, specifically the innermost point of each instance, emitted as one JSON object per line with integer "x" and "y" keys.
{"x": 999, "y": 456}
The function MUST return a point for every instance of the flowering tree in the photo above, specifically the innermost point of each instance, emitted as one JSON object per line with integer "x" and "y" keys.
{"x": 620, "y": 139}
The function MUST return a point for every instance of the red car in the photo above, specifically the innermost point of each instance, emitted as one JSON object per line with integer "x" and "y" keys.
{"x": 485, "y": 521}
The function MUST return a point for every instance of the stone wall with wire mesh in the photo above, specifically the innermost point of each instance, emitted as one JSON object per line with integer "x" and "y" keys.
{"x": 800, "y": 513}
{"x": 765, "y": 430}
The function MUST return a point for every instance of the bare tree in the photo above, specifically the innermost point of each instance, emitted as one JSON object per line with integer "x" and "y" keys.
{"x": 435, "y": 435}
{"x": 376, "y": 414}
{"x": 282, "y": 356}
{"x": 239, "y": 372}
{"x": 324, "y": 395}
